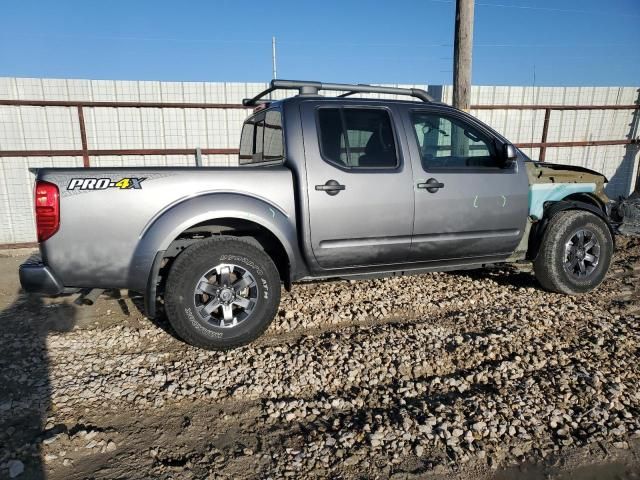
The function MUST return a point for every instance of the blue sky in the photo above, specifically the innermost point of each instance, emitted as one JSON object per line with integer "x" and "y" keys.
{"x": 569, "y": 42}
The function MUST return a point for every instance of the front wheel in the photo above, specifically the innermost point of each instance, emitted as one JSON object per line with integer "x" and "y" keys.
{"x": 575, "y": 253}
{"x": 222, "y": 293}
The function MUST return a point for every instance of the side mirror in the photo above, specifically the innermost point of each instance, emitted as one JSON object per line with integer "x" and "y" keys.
{"x": 509, "y": 155}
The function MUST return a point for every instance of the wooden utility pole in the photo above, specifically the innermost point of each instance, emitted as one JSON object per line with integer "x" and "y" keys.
{"x": 462, "y": 49}
{"x": 637, "y": 189}
{"x": 634, "y": 150}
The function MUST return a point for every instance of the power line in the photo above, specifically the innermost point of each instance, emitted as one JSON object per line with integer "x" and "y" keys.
{"x": 362, "y": 44}
{"x": 132, "y": 38}
{"x": 546, "y": 9}
{"x": 533, "y": 45}
{"x": 323, "y": 44}
{"x": 449, "y": 45}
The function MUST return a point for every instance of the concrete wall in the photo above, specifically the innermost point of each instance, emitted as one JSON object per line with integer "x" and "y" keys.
{"x": 27, "y": 128}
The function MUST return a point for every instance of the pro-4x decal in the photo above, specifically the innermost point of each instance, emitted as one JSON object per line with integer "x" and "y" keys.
{"x": 104, "y": 183}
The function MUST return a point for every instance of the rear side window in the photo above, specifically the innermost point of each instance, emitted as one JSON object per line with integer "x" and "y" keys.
{"x": 261, "y": 140}
{"x": 357, "y": 137}
{"x": 273, "y": 148}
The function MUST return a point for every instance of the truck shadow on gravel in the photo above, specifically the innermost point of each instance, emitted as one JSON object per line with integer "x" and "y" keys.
{"x": 160, "y": 320}
{"x": 504, "y": 277}
{"x": 25, "y": 392}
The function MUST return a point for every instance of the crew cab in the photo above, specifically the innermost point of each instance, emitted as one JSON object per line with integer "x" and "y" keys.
{"x": 328, "y": 187}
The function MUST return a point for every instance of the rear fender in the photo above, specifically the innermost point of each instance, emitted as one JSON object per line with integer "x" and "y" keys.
{"x": 167, "y": 225}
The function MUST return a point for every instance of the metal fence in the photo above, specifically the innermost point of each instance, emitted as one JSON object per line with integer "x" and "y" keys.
{"x": 75, "y": 123}
{"x": 87, "y": 152}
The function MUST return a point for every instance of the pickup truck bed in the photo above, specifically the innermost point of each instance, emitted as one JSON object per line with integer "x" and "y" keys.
{"x": 108, "y": 238}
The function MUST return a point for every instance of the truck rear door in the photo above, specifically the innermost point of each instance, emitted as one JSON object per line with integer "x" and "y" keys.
{"x": 467, "y": 205}
{"x": 359, "y": 199}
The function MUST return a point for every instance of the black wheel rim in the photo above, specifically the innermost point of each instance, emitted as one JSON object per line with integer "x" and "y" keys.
{"x": 581, "y": 254}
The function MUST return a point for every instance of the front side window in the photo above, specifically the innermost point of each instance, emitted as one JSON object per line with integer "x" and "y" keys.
{"x": 448, "y": 143}
{"x": 261, "y": 140}
{"x": 357, "y": 137}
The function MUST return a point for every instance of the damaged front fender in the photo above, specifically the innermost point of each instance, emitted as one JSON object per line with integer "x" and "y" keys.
{"x": 554, "y": 188}
{"x": 549, "y": 182}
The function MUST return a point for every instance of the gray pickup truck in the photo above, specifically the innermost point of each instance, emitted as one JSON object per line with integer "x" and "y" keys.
{"x": 327, "y": 187}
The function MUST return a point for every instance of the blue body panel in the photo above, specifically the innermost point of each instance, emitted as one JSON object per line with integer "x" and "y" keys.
{"x": 539, "y": 193}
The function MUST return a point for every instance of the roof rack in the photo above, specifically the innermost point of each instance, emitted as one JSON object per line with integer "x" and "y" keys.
{"x": 312, "y": 88}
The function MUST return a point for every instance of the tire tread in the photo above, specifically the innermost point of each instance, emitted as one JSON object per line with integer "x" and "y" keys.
{"x": 182, "y": 267}
{"x": 548, "y": 269}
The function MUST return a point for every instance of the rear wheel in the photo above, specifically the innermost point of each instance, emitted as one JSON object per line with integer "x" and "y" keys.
{"x": 222, "y": 293}
{"x": 575, "y": 253}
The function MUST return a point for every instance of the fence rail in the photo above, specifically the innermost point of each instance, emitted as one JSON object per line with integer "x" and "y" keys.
{"x": 87, "y": 152}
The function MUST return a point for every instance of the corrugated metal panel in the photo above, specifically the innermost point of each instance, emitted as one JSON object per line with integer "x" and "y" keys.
{"x": 57, "y": 128}
{"x": 16, "y": 194}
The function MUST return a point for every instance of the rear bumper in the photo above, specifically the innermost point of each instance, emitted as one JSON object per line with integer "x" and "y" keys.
{"x": 36, "y": 277}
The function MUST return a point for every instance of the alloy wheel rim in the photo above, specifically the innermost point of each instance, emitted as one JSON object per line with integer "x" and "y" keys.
{"x": 225, "y": 295}
{"x": 581, "y": 254}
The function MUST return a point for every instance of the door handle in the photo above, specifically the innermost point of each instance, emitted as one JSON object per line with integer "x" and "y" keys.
{"x": 331, "y": 187}
{"x": 432, "y": 185}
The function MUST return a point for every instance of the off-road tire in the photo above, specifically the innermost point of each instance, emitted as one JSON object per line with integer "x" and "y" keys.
{"x": 185, "y": 274}
{"x": 549, "y": 263}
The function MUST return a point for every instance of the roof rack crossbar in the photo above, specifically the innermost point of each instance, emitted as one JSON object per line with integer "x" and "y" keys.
{"x": 313, "y": 88}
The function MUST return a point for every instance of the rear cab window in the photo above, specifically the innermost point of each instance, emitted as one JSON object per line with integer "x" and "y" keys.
{"x": 262, "y": 141}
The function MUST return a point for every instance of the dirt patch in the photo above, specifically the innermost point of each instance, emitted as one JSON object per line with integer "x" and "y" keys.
{"x": 461, "y": 375}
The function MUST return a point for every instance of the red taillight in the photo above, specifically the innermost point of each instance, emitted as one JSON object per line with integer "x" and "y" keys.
{"x": 47, "y": 209}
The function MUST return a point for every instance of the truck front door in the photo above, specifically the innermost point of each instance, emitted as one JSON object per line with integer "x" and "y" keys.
{"x": 358, "y": 185}
{"x": 467, "y": 204}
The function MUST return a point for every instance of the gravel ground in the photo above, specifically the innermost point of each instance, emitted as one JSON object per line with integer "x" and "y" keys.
{"x": 465, "y": 375}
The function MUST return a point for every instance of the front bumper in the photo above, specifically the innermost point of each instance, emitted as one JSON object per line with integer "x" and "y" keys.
{"x": 36, "y": 277}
